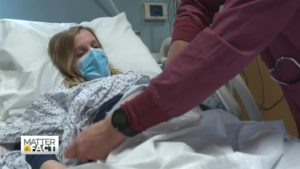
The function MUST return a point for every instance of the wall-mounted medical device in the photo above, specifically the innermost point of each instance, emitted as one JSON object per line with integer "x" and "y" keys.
{"x": 156, "y": 11}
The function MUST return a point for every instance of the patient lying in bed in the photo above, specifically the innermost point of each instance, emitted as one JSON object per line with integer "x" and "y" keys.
{"x": 91, "y": 88}
{"x": 215, "y": 140}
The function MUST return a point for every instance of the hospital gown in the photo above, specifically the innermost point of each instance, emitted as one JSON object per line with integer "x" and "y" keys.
{"x": 65, "y": 112}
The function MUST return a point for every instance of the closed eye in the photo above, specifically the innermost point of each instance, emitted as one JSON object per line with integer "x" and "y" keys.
{"x": 95, "y": 44}
{"x": 80, "y": 52}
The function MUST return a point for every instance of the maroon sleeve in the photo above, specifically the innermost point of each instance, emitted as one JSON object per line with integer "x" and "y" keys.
{"x": 238, "y": 33}
{"x": 192, "y": 17}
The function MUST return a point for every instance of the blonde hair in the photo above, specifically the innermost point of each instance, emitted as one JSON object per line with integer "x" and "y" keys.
{"x": 61, "y": 51}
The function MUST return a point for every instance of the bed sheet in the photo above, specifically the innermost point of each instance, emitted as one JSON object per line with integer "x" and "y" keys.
{"x": 217, "y": 140}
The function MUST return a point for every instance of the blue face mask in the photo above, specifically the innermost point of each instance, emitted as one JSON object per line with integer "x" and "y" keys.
{"x": 93, "y": 64}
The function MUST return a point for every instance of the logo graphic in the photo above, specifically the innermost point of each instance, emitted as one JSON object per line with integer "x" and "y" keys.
{"x": 39, "y": 144}
{"x": 27, "y": 148}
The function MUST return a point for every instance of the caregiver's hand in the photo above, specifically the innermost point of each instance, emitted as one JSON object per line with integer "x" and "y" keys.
{"x": 95, "y": 142}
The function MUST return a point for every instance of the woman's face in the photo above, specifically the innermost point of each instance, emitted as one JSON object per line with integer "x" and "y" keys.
{"x": 84, "y": 40}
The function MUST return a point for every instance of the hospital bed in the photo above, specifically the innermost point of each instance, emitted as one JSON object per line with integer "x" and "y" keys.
{"x": 224, "y": 96}
{"x": 199, "y": 139}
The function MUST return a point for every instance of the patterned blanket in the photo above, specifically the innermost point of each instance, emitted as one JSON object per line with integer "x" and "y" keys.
{"x": 64, "y": 112}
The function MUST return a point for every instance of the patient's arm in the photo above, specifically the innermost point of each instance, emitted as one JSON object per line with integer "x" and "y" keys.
{"x": 176, "y": 47}
{"x": 51, "y": 164}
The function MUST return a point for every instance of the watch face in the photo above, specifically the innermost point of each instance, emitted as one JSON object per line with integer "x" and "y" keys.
{"x": 119, "y": 119}
{"x": 120, "y": 122}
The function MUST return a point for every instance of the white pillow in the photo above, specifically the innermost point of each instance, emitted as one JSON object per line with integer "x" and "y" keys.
{"x": 26, "y": 70}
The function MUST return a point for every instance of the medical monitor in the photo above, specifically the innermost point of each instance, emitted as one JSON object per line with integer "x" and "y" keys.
{"x": 155, "y": 11}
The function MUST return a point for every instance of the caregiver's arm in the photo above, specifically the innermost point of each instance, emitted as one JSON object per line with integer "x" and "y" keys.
{"x": 213, "y": 57}
{"x": 192, "y": 17}
{"x": 176, "y": 47}
{"x": 239, "y": 32}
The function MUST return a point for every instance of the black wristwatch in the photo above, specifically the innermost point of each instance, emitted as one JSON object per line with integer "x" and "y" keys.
{"x": 120, "y": 122}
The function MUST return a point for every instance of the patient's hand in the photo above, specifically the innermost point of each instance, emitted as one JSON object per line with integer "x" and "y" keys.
{"x": 51, "y": 164}
{"x": 95, "y": 142}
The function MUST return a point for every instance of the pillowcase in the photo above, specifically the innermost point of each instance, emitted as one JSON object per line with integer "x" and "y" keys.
{"x": 26, "y": 70}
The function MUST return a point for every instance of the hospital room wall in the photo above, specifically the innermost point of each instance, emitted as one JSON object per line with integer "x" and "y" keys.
{"x": 151, "y": 32}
